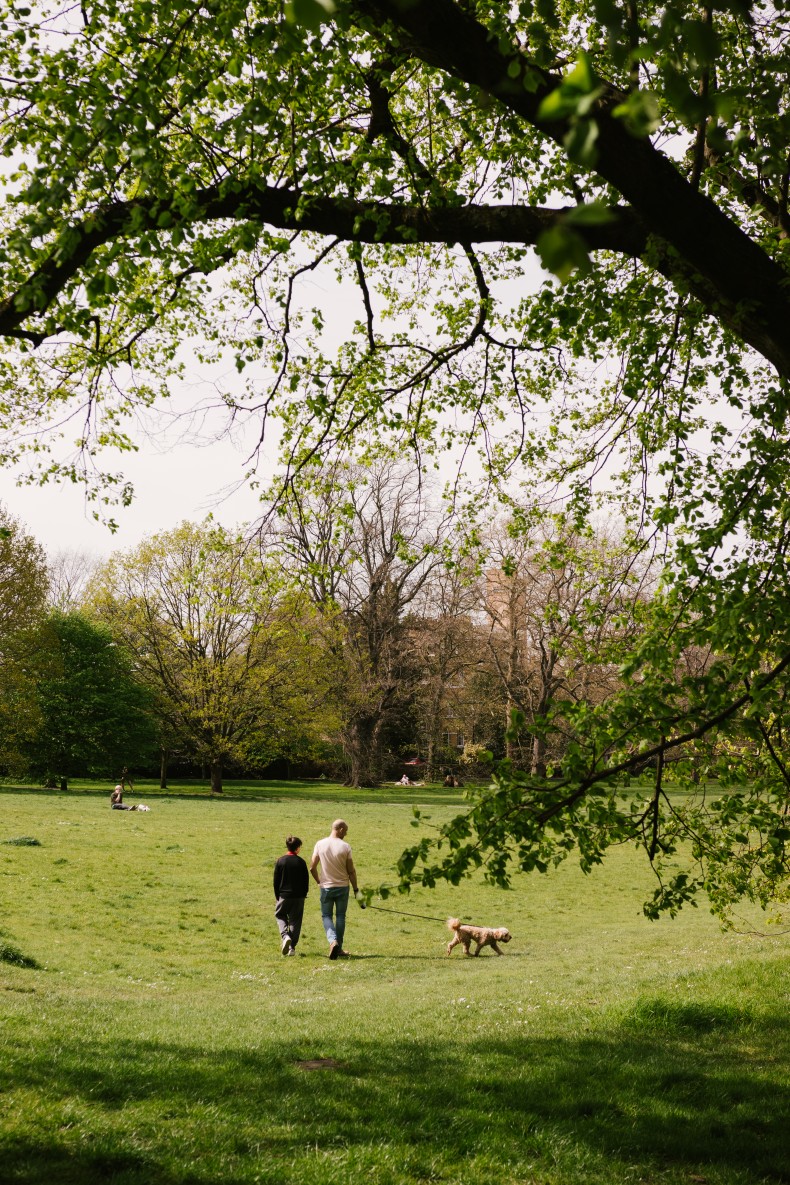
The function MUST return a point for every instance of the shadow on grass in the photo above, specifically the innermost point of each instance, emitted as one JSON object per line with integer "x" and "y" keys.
{"x": 11, "y": 954}
{"x": 676, "y": 1090}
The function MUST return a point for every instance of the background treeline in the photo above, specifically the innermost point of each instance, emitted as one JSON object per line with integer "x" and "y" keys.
{"x": 361, "y": 626}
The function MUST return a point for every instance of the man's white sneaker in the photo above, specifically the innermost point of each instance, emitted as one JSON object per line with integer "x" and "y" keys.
{"x": 287, "y": 948}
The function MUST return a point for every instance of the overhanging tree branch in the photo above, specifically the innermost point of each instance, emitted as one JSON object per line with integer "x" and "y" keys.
{"x": 287, "y": 209}
{"x": 667, "y": 743}
{"x": 746, "y": 287}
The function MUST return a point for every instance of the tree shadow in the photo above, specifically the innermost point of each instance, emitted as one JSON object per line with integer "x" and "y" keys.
{"x": 672, "y": 1088}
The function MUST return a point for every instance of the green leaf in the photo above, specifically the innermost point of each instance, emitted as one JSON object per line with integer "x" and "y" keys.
{"x": 563, "y": 252}
{"x": 582, "y": 77}
{"x": 589, "y": 214}
{"x": 640, "y": 113}
{"x": 312, "y": 14}
{"x": 555, "y": 106}
{"x": 575, "y": 95}
{"x": 580, "y": 142}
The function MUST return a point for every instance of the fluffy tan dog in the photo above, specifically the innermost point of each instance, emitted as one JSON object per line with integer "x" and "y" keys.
{"x": 483, "y": 935}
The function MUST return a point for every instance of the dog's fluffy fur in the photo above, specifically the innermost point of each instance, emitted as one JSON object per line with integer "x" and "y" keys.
{"x": 483, "y": 935}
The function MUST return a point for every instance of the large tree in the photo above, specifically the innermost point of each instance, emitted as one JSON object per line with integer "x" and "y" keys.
{"x": 404, "y": 158}
{"x": 70, "y": 573}
{"x": 80, "y": 708}
{"x": 155, "y": 144}
{"x": 364, "y": 543}
{"x": 561, "y": 612}
{"x": 24, "y": 578}
{"x": 216, "y": 635}
{"x": 450, "y": 652}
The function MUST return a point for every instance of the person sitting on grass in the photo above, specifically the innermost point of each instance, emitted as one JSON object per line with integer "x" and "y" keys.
{"x": 117, "y": 803}
{"x": 116, "y": 800}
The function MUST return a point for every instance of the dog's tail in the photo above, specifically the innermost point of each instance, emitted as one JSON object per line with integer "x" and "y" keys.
{"x": 453, "y": 923}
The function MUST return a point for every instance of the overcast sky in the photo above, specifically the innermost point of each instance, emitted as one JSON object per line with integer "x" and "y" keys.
{"x": 182, "y": 481}
{"x": 174, "y": 477}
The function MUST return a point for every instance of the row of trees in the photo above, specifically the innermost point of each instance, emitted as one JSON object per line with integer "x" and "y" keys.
{"x": 359, "y": 620}
{"x": 359, "y": 626}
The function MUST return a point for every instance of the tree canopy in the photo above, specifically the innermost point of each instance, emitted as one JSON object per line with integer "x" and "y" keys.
{"x": 365, "y": 545}
{"x": 79, "y": 706}
{"x": 343, "y": 197}
{"x": 24, "y": 579}
{"x": 416, "y": 149}
{"x": 218, "y": 638}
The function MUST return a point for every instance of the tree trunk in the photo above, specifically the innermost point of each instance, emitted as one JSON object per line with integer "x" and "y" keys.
{"x": 432, "y": 742}
{"x": 163, "y": 769}
{"x": 216, "y": 777}
{"x": 64, "y": 784}
{"x": 363, "y": 748}
{"x": 510, "y": 747}
{"x": 513, "y": 666}
{"x": 538, "y": 766}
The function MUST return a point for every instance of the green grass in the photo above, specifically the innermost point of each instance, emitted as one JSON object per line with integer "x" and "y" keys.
{"x": 157, "y": 1036}
{"x": 147, "y": 789}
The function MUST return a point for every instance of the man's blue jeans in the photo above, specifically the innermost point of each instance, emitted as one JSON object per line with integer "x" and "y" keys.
{"x": 334, "y": 904}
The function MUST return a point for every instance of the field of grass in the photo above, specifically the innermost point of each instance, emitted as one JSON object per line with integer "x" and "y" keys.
{"x": 151, "y": 1032}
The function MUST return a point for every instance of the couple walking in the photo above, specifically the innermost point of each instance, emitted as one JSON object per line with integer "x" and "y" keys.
{"x": 337, "y": 873}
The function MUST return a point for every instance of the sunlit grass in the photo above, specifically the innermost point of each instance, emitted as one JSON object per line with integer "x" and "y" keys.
{"x": 165, "y": 1039}
{"x": 312, "y": 790}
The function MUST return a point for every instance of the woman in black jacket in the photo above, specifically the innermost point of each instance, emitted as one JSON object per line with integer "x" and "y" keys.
{"x": 291, "y": 885}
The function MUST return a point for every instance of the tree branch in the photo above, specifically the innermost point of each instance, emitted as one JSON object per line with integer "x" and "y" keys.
{"x": 287, "y": 209}
{"x": 745, "y": 287}
{"x": 666, "y": 744}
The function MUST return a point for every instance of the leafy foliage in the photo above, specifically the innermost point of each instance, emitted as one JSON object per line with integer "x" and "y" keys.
{"x": 23, "y": 577}
{"x": 89, "y": 713}
{"x": 218, "y": 637}
{"x": 202, "y": 173}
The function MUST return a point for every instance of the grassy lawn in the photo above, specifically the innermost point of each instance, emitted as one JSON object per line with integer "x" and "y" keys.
{"x": 162, "y": 1038}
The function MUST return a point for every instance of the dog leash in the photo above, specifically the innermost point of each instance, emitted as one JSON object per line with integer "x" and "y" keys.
{"x": 406, "y": 914}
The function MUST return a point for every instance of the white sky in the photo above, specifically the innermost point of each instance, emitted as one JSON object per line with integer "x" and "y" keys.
{"x": 186, "y": 467}
{"x": 176, "y": 477}
{"x": 187, "y": 482}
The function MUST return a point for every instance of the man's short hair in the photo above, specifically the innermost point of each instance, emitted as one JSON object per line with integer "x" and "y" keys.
{"x": 338, "y": 823}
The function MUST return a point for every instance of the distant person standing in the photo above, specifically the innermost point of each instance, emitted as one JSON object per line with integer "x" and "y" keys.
{"x": 291, "y": 886}
{"x": 337, "y": 873}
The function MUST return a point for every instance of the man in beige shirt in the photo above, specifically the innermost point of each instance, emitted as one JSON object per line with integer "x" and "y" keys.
{"x": 333, "y": 855}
